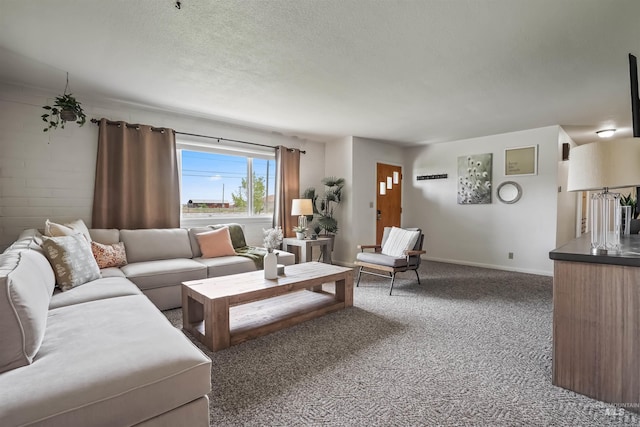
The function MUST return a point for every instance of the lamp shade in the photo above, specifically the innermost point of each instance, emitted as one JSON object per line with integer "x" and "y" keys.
{"x": 605, "y": 164}
{"x": 301, "y": 207}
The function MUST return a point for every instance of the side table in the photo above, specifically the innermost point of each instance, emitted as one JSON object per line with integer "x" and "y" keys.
{"x": 305, "y": 248}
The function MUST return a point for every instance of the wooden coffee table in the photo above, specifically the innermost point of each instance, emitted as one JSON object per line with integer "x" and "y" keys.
{"x": 227, "y": 310}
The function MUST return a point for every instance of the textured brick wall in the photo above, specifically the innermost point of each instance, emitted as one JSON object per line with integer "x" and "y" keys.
{"x": 42, "y": 175}
{"x": 51, "y": 174}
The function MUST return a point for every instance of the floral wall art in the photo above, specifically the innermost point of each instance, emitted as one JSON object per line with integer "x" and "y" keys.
{"x": 474, "y": 179}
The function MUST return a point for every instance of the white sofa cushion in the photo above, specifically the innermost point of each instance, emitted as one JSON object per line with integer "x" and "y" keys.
{"x": 193, "y": 240}
{"x": 110, "y": 287}
{"x": 106, "y": 236}
{"x": 156, "y": 244}
{"x": 26, "y": 286}
{"x": 168, "y": 272}
{"x": 226, "y": 265}
{"x": 115, "y": 361}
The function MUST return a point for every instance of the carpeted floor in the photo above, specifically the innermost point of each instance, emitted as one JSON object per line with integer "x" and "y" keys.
{"x": 470, "y": 346}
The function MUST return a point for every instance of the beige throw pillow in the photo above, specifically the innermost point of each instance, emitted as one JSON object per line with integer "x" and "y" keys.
{"x": 216, "y": 243}
{"x": 53, "y": 229}
{"x": 71, "y": 259}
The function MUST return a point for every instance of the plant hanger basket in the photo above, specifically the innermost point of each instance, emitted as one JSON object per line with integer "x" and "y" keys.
{"x": 65, "y": 109}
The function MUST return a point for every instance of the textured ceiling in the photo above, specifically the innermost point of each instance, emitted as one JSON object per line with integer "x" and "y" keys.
{"x": 405, "y": 71}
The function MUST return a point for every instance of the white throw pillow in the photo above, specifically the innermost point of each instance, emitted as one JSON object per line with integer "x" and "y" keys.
{"x": 399, "y": 240}
{"x": 53, "y": 229}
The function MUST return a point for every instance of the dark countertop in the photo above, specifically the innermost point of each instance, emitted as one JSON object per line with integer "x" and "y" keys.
{"x": 579, "y": 250}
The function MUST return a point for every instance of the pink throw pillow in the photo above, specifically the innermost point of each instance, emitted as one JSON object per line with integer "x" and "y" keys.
{"x": 216, "y": 243}
{"x": 109, "y": 255}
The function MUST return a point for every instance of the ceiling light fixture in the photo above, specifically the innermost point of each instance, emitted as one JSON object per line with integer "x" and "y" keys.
{"x": 606, "y": 133}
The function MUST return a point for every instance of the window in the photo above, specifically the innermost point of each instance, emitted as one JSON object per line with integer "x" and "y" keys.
{"x": 217, "y": 184}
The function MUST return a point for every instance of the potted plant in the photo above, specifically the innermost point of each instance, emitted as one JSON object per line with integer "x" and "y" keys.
{"x": 316, "y": 230}
{"x": 299, "y": 232}
{"x": 324, "y": 205}
{"x": 64, "y": 109}
{"x": 628, "y": 200}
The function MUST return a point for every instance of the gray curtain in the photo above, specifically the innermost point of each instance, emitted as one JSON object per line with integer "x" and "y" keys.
{"x": 287, "y": 188}
{"x": 136, "y": 177}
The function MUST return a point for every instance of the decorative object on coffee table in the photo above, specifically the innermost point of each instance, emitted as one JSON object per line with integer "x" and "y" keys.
{"x": 272, "y": 239}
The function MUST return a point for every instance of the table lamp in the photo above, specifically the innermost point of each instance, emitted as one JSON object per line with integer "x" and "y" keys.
{"x": 601, "y": 166}
{"x": 302, "y": 207}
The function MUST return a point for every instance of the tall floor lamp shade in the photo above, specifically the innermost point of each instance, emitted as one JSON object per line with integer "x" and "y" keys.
{"x": 601, "y": 166}
{"x": 302, "y": 207}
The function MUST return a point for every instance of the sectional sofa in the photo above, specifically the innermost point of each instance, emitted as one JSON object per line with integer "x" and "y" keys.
{"x": 101, "y": 354}
{"x": 159, "y": 260}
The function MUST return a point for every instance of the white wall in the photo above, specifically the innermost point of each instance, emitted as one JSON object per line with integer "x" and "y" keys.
{"x": 567, "y": 202}
{"x": 51, "y": 174}
{"x": 339, "y": 163}
{"x": 354, "y": 159}
{"x": 367, "y": 153}
{"x": 484, "y": 234}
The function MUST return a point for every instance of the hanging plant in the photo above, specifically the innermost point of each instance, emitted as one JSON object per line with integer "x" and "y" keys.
{"x": 65, "y": 109}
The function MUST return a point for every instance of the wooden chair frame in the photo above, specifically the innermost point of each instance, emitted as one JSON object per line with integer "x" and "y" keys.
{"x": 390, "y": 270}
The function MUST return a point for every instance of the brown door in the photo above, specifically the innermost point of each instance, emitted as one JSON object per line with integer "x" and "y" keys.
{"x": 389, "y": 204}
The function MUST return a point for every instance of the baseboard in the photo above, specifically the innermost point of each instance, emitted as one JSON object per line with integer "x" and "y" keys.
{"x": 492, "y": 266}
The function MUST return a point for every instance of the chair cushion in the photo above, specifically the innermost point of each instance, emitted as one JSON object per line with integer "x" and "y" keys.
{"x": 399, "y": 241}
{"x": 382, "y": 259}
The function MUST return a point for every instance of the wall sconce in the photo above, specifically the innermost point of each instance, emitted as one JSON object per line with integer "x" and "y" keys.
{"x": 383, "y": 188}
{"x": 396, "y": 177}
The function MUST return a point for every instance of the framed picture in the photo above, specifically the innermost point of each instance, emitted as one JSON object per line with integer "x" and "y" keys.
{"x": 521, "y": 160}
{"x": 474, "y": 179}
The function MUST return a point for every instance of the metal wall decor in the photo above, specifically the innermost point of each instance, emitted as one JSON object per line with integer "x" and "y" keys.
{"x": 509, "y": 192}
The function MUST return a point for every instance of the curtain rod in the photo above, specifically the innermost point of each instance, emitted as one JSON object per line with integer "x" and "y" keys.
{"x": 96, "y": 121}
